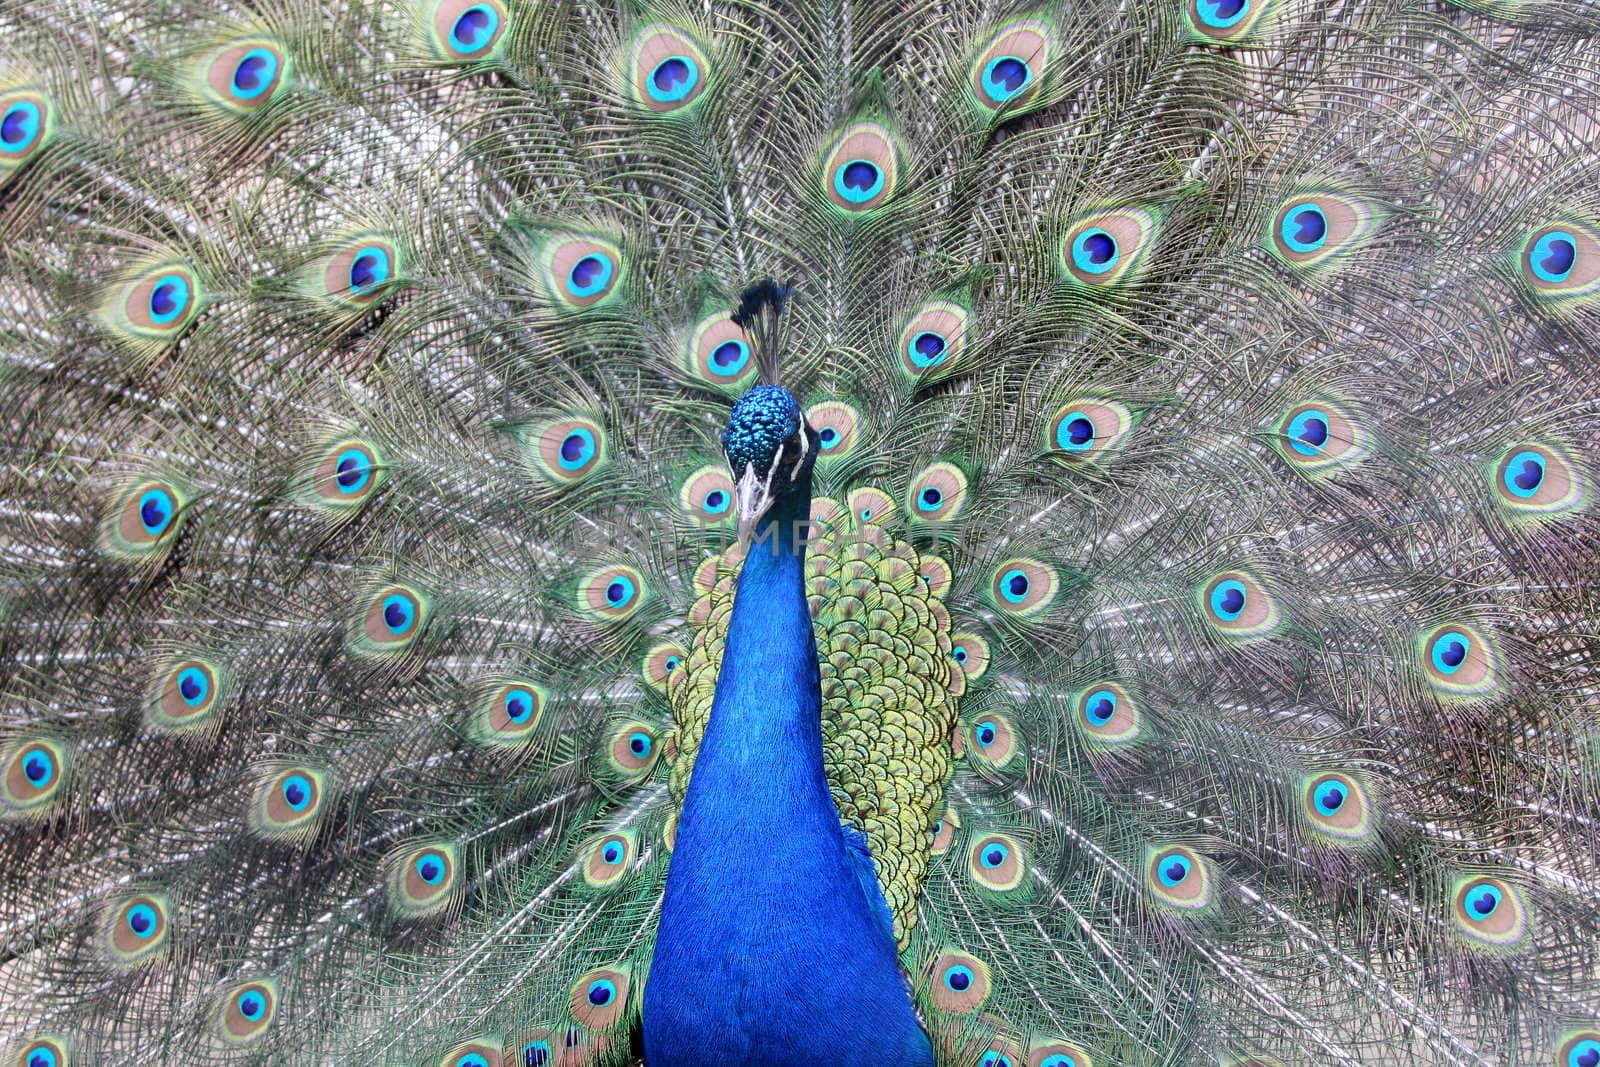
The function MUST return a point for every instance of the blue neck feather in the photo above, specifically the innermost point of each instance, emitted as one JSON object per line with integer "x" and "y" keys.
{"x": 772, "y": 948}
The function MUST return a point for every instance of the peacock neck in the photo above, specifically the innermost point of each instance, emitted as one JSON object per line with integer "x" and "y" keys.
{"x": 770, "y": 922}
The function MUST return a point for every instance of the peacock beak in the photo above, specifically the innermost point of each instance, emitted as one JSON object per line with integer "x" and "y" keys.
{"x": 752, "y": 498}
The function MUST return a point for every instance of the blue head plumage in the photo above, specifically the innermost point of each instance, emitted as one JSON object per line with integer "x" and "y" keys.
{"x": 770, "y": 451}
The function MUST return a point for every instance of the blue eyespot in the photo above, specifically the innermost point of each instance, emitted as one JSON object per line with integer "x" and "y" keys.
{"x": 398, "y": 613}
{"x": 1221, "y": 14}
{"x": 1100, "y": 706}
{"x": 994, "y": 855}
{"x": 829, "y": 437}
{"x": 577, "y": 449}
{"x": 252, "y": 1005}
{"x": 590, "y": 275}
{"x": 1482, "y": 901}
{"x": 858, "y": 181}
{"x": 927, "y": 349}
{"x": 673, "y": 79}
{"x": 929, "y": 499}
{"x": 959, "y": 653}
{"x": 1060, "y": 1059}
{"x": 193, "y": 686}
{"x": 995, "y": 1059}
{"x": 156, "y": 508}
{"x": 729, "y": 359}
{"x": 536, "y": 1054}
{"x": 1585, "y": 1053}
{"x": 612, "y": 853}
{"x": 1173, "y": 869}
{"x": 620, "y": 592}
{"x": 715, "y": 503}
{"x": 430, "y": 868}
{"x": 1329, "y": 796}
{"x": 1227, "y": 599}
{"x": 1553, "y": 256}
{"x": 168, "y": 298}
{"x": 958, "y": 978}
{"x": 1524, "y": 473}
{"x": 1304, "y": 227}
{"x": 20, "y": 125}
{"x": 602, "y": 991}
{"x": 985, "y": 733}
{"x": 519, "y": 705}
{"x": 297, "y": 791}
{"x": 1005, "y": 76}
{"x": 1094, "y": 250}
{"x": 353, "y": 470}
{"x": 255, "y": 72}
{"x": 472, "y": 1059}
{"x": 43, "y": 1058}
{"x": 640, "y": 744}
{"x": 142, "y": 920}
{"x": 1014, "y": 586}
{"x": 1308, "y": 432}
{"x": 39, "y": 768}
{"x": 1450, "y": 651}
{"x": 1075, "y": 432}
{"x": 369, "y": 269}
{"x": 475, "y": 28}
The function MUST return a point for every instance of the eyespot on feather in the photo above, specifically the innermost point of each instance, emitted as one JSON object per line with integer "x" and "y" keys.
{"x": 1054, "y": 1052}
{"x": 1178, "y": 877}
{"x": 934, "y": 340}
{"x": 1087, "y": 429}
{"x": 600, "y": 997}
{"x": 509, "y": 714}
{"x": 394, "y": 617}
{"x": 153, "y": 305}
{"x": 971, "y": 654}
{"x": 1226, "y": 21}
{"x": 836, "y": 424}
{"x": 361, "y": 271}
{"x": 288, "y": 802}
{"x": 996, "y": 862}
{"x": 633, "y": 749}
{"x": 466, "y": 31}
{"x": 1107, "y": 714}
{"x": 707, "y": 495}
{"x": 992, "y": 740}
{"x": 567, "y": 450}
{"x": 611, "y": 594}
{"x": 1011, "y": 67}
{"x": 1315, "y": 227}
{"x": 1107, "y": 248}
{"x": 35, "y": 769}
{"x": 477, "y": 1052}
{"x": 27, "y": 122}
{"x": 1319, "y": 436}
{"x": 669, "y": 69}
{"x": 347, "y": 473}
{"x": 1578, "y": 1048}
{"x": 244, "y": 76}
{"x": 944, "y": 832}
{"x": 937, "y": 494}
{"x": 1489, "y": 912}
{"x": 1023, "y": 588}
{"x": 1560, "y": 262}
{"x": 423, "y": 879}
{"x": 1334, "y": 806}
{"x": 146, "y": 518}
{"x": 246, "y": 1011}
{"x": 958, "y": 982}
{"x": 860, "y": 170}
{"x": 45, "y": 1051}
{"x": 1459, "y": 660}
{"x": 869, "y": 506}
{"x": 720, "y": 354}
{"x": 581, "y": 272}
{"x": 1238, "y": 606}
{"x": 189, "y": 694}
{"x": 136, "y": 929}
{"x": 661, "y": 662}
{"x": 1537, "y": 481}
{"x": 608, "y": 859}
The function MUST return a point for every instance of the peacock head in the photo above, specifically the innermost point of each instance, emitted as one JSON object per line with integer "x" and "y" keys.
{"x": 770, "y": 449}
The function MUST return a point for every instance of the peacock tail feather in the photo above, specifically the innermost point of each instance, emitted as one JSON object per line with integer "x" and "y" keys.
{"x": 1201, "y": 565}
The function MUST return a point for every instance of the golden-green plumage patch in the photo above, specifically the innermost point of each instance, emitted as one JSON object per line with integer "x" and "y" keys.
{"x": 889, "y": 689}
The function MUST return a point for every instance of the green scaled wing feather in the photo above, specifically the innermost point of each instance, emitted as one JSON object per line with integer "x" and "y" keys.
{"x": 1203, "y": 569}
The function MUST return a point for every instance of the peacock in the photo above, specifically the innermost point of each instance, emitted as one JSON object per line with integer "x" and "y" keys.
{"x": 988, "y": 533}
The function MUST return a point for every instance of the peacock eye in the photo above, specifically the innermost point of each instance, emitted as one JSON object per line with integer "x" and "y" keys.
{"x": 791, "y": 451}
